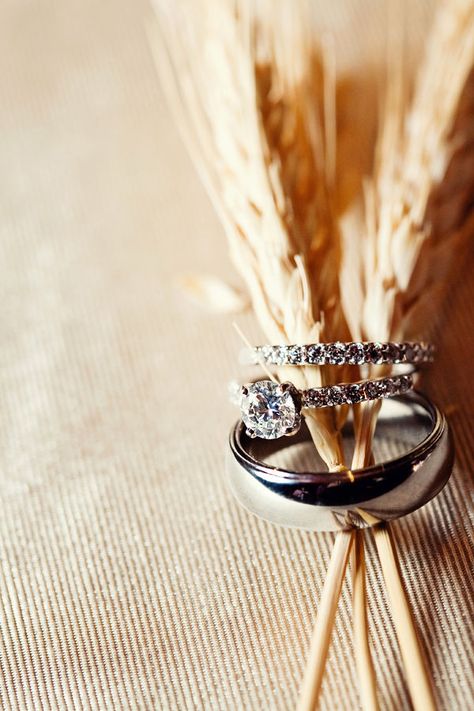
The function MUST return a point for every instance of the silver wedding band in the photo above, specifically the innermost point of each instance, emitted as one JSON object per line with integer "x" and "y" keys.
{"x": 328, "y": 501}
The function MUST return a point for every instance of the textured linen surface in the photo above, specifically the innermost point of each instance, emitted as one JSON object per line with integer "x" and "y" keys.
{"x": 130, "y": 579}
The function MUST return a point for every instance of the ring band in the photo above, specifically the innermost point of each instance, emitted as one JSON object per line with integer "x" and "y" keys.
{"x": 329, "y": 501}
{"x": 339, "y": 353}
{"x": 271, "y": 410}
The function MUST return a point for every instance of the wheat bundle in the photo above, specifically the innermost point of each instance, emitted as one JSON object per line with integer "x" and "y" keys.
{"x": 266, "y": 155}
{"x": 257, "y": 96}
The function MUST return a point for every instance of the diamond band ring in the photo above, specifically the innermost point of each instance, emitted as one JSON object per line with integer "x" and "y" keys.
{"x": 339, "y": 353}
{"x": 271, "y": 410}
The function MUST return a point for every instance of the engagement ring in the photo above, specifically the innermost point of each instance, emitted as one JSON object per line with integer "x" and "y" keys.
{"x": 270, "y": 410}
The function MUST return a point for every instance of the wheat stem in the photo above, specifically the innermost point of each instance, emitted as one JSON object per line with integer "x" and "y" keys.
{"x": 364, "y": 424}
{"x": 316, "y": 659}
{"x": 418, "y": 678}
{"x": 363, "y": 658}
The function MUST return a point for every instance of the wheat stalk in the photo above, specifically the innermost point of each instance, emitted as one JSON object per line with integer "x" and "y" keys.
{"x": 409, "y": 193}
{"x": 264, "y": 152}
{"x": 417, "y": 203}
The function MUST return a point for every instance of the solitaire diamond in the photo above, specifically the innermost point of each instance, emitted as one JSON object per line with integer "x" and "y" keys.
{"x": 270, "y": 410}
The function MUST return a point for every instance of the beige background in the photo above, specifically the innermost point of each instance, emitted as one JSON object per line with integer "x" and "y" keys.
{"x": 129, "y": 577}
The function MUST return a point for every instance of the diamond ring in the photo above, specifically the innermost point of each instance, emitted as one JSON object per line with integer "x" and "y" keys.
{"x": 339, "y": 353}
{"x": 271, "y": 410}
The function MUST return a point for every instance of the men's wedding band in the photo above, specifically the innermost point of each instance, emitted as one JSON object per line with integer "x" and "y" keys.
{"x": 339, "y": 353}
{"x": 326, "y": 501}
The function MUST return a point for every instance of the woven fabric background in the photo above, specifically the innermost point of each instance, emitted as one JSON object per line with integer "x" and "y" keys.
{"x": 129, "y": 577}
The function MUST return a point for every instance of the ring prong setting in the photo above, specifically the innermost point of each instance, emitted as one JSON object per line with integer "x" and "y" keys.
{"x": 270, "y": 410}
{"x": 291, "y": 431}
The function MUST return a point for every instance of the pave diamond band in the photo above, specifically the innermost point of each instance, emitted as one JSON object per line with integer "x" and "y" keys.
{"x": 339, "y": 353}
{"x": 271, "y": 410}
{"x": 353, "y": 393}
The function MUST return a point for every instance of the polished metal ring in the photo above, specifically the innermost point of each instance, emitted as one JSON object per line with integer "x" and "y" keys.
{"x": 329, "y": 501}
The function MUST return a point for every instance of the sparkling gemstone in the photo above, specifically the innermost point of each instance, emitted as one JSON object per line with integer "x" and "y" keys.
{"x": 391, "y": 353}
{"x": 281, "y": 355}
{"x": 354, "y": 394}
{"x": 336, "y": 395}
{"x": 295, "y": 355}
{"x": 390, "y": 387}
{"x": 374, "y": 389}
{"x": 336, "y": 354}
{"x": 409, "y": 352}
{"x": 273, "y": 355}
{"x": 266, "y": 353}
{"x": 269, "y": 410}
{"x": 396, "y": 384}
{"x": 355, "y": 354}
{"x": 316, "y": 397}
{"x": 315, "y": 354}
{"x": 374, "y": 352}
